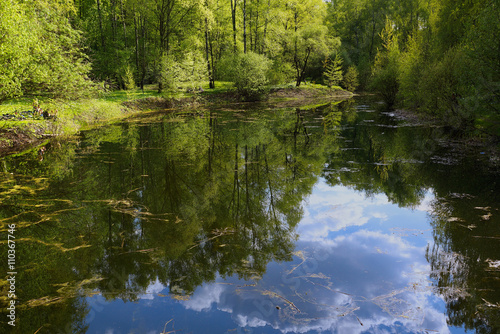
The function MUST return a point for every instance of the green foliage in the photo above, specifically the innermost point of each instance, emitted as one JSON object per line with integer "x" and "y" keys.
{"x": 412, "y": 66}
{"x": 170, "y": 73}
{"x": 333, "y": 71}
{"x": 310, "y": 42}
{"x": 402, "y": 48}
{"x": 451, "y": 73}
{"x": 385, "y": 69}
{"x": 194, "y": 70}
{"x": 128, "y": 79}
{"x": 436, "y": 56}
{"x": 14, "y": 49}
{"x": 248, "y": 72}
{"x": 444, "y": 87}
{"x": 483, "y": 50}
{"x": 187, "y": 71}
{"x": 41, "y": 51}
{"x": 350, "y": 81}
{"x": 280, "y": 73}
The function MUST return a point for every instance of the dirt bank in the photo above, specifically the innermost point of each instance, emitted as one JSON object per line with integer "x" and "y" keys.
{"x": 19, "y": 137}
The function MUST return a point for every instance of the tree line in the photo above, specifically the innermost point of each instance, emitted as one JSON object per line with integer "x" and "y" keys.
{"x": 438, "y": 56}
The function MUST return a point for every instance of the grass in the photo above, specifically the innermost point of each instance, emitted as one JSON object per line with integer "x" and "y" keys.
{"x": 19, "y": 104}
{"x": 121, "y": 96}
{"x": 109, "y": 104}
{"x": 108, "y": 107}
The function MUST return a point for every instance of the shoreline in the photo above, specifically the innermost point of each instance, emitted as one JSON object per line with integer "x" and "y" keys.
{"x": 22, "y": 136}
{"x": 28, "y": 135}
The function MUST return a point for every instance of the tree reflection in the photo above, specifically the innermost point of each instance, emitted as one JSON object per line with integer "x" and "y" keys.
{"x": 404, "y": 163}
{"x": 201, "y": 195}
{"x": 180, "y": 201}
{"x": 464, "y": 260}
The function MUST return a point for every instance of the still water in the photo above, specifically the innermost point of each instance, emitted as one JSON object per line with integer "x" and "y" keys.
{"x": 338, "y": 218}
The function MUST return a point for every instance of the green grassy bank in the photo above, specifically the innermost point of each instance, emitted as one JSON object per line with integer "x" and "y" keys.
{"x": 20, "y": 128}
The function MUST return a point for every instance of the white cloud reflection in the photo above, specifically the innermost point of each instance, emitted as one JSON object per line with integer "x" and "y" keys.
{"x": 339, "y": 286}
{"x": 333, "y": 209}
{"x": 152, "y": 290}
{"x": 341, "y": 281}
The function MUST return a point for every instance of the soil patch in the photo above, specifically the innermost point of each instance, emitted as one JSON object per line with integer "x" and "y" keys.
{"x": 18, "y": 139}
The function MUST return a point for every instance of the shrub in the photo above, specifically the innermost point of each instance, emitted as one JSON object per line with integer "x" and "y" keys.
{"x": 280, "y": 72}
{"x": 128, "y": 79}
{"x": 333, "y": 71}
{"x": 248, "y": 73}
{"x": 187, "y": 70}
{"x": 385, "y": 71}
{"x": 350, "y": 81}
{"x": 169, "y": 73}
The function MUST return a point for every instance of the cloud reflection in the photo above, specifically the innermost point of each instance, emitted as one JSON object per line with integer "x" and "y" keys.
{"x": 333, "y": 209}
{"x": 344, "y": 286}
{"x": 350, "y": 274}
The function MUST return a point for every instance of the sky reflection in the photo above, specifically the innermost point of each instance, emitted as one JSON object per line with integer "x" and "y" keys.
{"x": 354, "y": 270}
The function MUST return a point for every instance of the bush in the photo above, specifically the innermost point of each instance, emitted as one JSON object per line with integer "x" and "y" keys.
{"x": 187, "y": 70}
{"x": 128, "y": 79}
{"x": 333, "y": 71}
{"x": 385, "y": 72}
{"x": 280, "y": 73}
{"x": 248, "y": 72}
{"x": 447, "y": 87}
{"x": 350, "y": 81}
{"x": 169, "y": 73}
{"x": 412, "y": 66}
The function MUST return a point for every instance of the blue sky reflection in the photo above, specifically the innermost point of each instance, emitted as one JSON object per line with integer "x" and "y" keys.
{"x": 359, "y": 267}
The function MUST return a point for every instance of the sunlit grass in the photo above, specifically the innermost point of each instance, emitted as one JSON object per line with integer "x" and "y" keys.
{"x": 19, "y": 104}
{"x": 128, "y": 95}
{"x": 73, "y": 116}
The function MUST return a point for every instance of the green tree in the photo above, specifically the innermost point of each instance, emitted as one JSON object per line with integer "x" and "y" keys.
{"x": 333, "y": 71}
{"x": 385, "y": 69}
{"x": 248, "y": 72}
{"x": 14, "y": 48}
{"x": 41, "y": 51}
{"x": 350, "y": 81}
{"x": 187, "y": 71}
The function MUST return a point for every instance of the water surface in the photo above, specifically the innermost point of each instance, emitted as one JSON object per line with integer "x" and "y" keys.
{"x": 338, "y": 218}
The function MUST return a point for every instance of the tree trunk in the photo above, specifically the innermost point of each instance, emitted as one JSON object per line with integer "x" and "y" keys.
{"x": 113, "y": 19}
{"x": 301, "y": 71}
{"x": 244, "y": 26}
{"x": 373, "y": 34}
{"x": 256, "y": 39}
{"x": 265, "y": 26}
{"x": 144, "y": 36}
{"x": 99, "y": 11}
{"x": 233, "y": 16}
{"x": 136, "y": 43}
{"x": 211, "y": 81}
{"x": 124, "y": 24}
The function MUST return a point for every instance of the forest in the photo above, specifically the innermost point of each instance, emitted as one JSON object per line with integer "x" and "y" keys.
{"x": 436, "y": 57}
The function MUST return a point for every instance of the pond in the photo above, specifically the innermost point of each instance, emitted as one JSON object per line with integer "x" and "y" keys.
{"x": 339, "y": 218}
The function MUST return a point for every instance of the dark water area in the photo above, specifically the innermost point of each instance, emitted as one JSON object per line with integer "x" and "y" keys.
{"x": 338, "y": 218}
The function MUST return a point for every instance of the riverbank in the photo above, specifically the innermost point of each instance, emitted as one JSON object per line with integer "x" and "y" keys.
{"x": 21, "y": 129}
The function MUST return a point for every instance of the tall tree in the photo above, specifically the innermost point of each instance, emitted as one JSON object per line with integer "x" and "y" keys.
{"x": 40, "y": 50}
